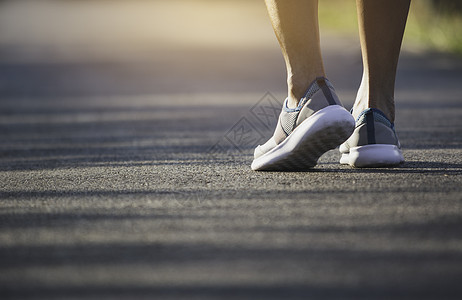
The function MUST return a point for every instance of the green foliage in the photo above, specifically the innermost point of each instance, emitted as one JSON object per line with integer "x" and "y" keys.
{"x": 433, "y": 24}
{"x": 338, "y": 15}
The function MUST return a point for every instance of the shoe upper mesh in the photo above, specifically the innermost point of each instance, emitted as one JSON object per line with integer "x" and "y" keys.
{"x": 314, "y": 87}
{"x": 312, "y": 90}
{"x": 377, "y": 118}
{"x": 288, "y": 117}
{"x": 288, "y": 120}
{"x": 382, "y": 119}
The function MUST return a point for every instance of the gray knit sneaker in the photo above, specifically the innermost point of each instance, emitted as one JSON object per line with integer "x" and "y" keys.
{"x": 303, "y": 134}
{"x": 374, "y": 142}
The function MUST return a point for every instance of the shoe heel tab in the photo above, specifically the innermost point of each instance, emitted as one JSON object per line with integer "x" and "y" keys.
{"x": 323, "y": 85}
{"x": 321, "y": 81}
{"x": 328, "y": 91}
{"x": 372, "y": 111}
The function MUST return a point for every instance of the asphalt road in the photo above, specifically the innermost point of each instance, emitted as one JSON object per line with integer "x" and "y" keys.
{"x": 124, "y": 180}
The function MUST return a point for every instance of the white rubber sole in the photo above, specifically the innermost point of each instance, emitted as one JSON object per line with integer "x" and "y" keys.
{"x": 377, "y": 155}
{"x": 321, "y": 132}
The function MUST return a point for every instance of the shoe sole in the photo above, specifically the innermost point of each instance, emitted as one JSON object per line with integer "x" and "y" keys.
{"x": 377, "y": 155}
{"x": 321, "y": 132}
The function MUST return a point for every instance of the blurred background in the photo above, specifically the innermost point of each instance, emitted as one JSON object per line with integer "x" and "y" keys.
{"x": 102, "y": 47}
{"x": 57, "y": 47}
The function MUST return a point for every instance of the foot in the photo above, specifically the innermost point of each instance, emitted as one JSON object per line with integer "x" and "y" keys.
{"x": 374, "y": 142}
{"x": 319, "y": 123}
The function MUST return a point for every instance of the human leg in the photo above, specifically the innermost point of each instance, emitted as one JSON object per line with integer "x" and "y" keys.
{"x": 312, "y": 120}
{"x": 374, "y": 142}
{"x": 381, "y": 29}
{"x": 295, "y": 23}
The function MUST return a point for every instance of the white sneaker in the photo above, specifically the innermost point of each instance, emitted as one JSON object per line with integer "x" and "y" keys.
{"x": 318, "y": 124}
{"x": 374, "y": 142}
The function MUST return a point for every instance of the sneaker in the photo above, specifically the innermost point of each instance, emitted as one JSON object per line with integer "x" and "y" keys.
{"x": 319, "y": 123}
{"x": 374, "y": 142}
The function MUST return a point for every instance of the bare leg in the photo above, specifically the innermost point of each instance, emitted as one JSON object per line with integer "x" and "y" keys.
{"x": 295, "y": 23}
{"x": 381, "y": 28}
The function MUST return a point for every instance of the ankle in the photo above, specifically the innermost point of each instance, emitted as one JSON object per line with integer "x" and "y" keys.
{"x": 373, "y": 98}
{"x": 358, "y": 108}
{"x": 292, "y": 102}
{"x": 295, "y": 93}
{"x": 298, "y": 89}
